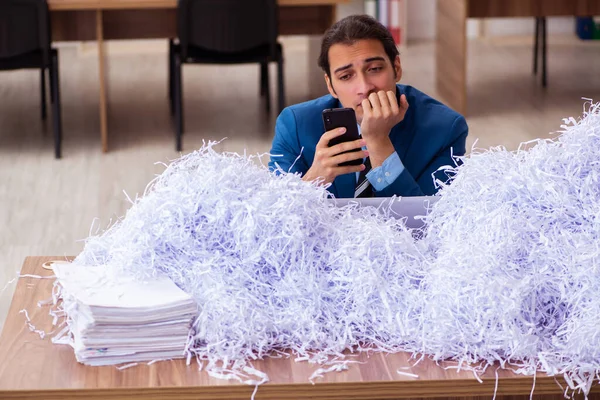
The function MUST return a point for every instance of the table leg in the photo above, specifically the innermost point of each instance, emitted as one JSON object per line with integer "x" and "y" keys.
{"x": 102, "y": 80}
{"x": 451, "y": 53}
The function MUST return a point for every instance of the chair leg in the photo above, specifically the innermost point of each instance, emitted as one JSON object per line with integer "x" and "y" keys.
{"x": 536, "y": 45}
{"x": 43, "y": 92}
{"x": 544, "y": 53}
{"x": 171, "y": 99}
{"x": 51, "y": 87}
{"x": 264, "y": 80}
{"x": 280, "y": 86}
{"x": 178, "y": 95}
{"x": 266, "y": 91}
{"x": 56, "y": 111}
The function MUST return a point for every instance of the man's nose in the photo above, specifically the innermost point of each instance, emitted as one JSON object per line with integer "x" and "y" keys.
{"x": 365, "y": 87}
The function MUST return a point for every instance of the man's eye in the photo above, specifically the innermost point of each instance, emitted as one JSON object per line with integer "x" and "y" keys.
{"x": 375, "y": 69}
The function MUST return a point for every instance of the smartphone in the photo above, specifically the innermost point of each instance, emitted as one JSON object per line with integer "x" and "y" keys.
{"x": 338, "y": 118}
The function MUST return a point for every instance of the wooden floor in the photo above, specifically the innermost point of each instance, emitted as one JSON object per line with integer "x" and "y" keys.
{"x": 48, "y": 206}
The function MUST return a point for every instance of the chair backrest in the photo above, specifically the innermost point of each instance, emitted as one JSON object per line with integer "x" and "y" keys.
{"x": 227, "y": 26}
{"x": 24, "y": 27}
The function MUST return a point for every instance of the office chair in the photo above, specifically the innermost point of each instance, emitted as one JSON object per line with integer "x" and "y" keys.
{"x": 25, "y": 43}
{"x": 224, "y": 32}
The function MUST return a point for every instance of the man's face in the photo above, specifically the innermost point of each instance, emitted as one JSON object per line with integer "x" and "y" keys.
{"x": 359, "y": 69}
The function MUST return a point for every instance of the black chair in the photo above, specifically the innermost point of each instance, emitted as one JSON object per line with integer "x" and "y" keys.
{"x": 224, "y": 32}
{"x": 540, "y": 33}
{"x": 25, "y": 43}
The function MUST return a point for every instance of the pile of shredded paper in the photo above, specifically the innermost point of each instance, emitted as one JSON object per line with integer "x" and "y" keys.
{"x": 507, "y": 270}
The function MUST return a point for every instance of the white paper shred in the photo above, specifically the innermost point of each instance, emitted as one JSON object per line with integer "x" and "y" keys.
{"x": 321, "y": 371}
{"x": 130, "y": 365}
{"x": 42, "y": 334}
{"x": 506, "y": 273}
{"x": 407, "y": 374}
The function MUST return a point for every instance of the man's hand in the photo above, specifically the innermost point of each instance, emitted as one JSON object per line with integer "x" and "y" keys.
{"x": 381, "y": 112}
{"x": 327, "y": 159}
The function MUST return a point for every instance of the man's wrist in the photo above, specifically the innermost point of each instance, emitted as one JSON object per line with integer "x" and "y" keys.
{"x": 379, "y": 150}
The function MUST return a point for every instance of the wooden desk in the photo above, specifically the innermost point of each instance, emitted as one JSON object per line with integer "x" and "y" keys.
{"x": 34, "y": 368}
{"x": 100, "y": 20}
{"x": 451, "y": 35}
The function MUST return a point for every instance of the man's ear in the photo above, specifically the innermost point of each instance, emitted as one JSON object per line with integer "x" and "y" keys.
{"x": 397, "y": 68}
{"x": 330, "y": 87}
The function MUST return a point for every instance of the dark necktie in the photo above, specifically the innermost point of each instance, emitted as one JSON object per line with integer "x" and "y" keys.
{"x": 363, "y": 186}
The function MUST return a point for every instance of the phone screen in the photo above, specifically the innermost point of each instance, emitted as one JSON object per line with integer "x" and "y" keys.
{"x": 342, "y": 117}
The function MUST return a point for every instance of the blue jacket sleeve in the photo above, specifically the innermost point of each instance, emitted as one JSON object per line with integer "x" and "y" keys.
{"x": 423, "y": 185}
{"x": 285, "y": 154}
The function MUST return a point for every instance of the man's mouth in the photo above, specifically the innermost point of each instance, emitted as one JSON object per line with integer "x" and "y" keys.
{"x": 360, "y": 104}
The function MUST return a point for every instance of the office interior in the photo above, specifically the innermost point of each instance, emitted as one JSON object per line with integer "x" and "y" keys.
{"x": 49, "y": 204}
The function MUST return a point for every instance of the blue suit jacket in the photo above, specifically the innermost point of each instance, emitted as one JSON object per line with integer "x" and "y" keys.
{"x": 425, "y": 140}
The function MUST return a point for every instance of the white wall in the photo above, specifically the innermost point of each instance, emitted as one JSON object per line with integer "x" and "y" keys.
{"x": 354, "y": 7}
{"x": 525, "y": 26}
{"x": 421, "y": 21}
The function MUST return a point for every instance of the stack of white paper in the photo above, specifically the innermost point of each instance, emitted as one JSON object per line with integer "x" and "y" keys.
{"x": 114, "y": 318}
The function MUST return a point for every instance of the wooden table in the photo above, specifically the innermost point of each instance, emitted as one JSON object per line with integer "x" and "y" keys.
{"x": 451, "y": 35}
{"x": 100, "y": 20}
{"x": 34, "y": 368}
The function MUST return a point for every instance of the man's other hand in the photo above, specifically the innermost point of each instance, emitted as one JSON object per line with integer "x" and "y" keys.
{"x": 327, "y": 159}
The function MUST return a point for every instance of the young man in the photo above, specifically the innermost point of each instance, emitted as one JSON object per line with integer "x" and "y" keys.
{"x": 406, "y": 136}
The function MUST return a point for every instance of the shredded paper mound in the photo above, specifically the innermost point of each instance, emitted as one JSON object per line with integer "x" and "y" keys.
{"x": 506, "y": 270}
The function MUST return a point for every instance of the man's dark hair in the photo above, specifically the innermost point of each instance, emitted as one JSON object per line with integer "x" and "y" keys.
{"x": 352, "y": 29}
